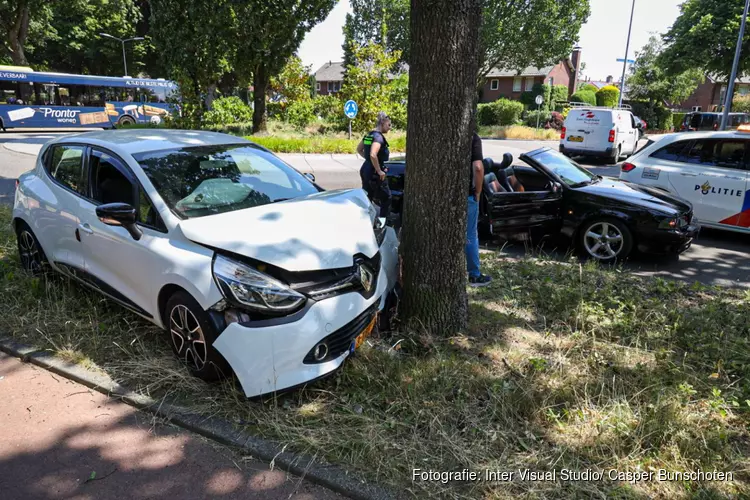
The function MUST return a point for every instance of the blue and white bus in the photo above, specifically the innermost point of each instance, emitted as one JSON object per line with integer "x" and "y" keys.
{"x": 33, "y": 99}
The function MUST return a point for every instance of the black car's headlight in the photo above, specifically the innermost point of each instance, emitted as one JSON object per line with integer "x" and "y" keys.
{"x": 250, "y": 288}
{"x": 379, "y": 228}
{"x": 674, "y": 223}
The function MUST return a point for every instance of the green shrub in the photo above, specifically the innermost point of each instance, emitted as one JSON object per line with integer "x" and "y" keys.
{"x": 327, "y": 107}
{"x": 677, "y": 119}
{"x": 608, "y": 96}
{"x": 584, "y": 96}
{"x": 588, "y": 87}
{"x": 300, "y": 113}
{"x": 666, "y": 119}
{"x": 529, "y": 98}
{"x": 226, "y": 110}
{"x": 542, "y": 116}
{"x": 741, "y": 104}
{"x": 559, "y": 95}
{"x": 500, "y": 112}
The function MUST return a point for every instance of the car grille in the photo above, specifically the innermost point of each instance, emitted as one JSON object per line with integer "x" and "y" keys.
{"x": 326, "y": 284}
{"x": 341, "y": 340}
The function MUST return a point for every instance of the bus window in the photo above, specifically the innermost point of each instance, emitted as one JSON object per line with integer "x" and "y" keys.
{"x": 160, "y": 95}
{"x": 63, "y": 96}
{"x": 148, "y": 95}
{"x": 27, "y": 92}
{"x": 44, "y": 94}
{"x": 94, "y": 97}
{"x": 8, "y": 92}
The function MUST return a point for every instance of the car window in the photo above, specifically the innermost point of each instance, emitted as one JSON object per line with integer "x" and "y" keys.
{"x": 206, "y": 180}
{"x": 147, "y": 214}
{"x": 109, "y": 179}
{"x": 672, "y": 152}
{"x": 66, "y": 166}
{"x": 717, "y": 153}
{"x": 567, "y": 170}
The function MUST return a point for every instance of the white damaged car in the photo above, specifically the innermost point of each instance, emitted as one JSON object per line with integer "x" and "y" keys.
{"x": 247, "y": 264}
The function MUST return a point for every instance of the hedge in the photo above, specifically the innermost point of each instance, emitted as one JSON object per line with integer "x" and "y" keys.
{"x": 531, "y": 118}
{"x": 677, "y": 119}
{"x": 542, "y": 89}
{"x": 608, "y": 96}
{"x": 500, "y": 112}
{"x": 559, "y": 95}
{"x": 584, "y": 96}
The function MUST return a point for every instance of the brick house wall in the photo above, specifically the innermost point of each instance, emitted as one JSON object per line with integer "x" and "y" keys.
{"x": 561, "y": 75}
{"x": 706, "y": 96}
{"x": 321, "y": 88}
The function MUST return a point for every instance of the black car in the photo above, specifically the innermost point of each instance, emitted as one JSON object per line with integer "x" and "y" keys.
{"x": 606, "y": 218}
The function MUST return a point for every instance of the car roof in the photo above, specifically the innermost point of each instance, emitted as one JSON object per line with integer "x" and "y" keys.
{"x": 708, "y": 134}
{"x": 134, "y": 141}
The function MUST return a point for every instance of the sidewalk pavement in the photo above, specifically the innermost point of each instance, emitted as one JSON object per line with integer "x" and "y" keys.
{"x": 60, "y": 439}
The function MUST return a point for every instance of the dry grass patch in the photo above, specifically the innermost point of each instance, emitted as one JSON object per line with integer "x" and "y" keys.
{"x": 561, "y": 367}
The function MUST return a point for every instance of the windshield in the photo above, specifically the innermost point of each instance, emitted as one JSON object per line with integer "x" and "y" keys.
{"x": 567, "y": 170}
{"x": 207, "y": 180}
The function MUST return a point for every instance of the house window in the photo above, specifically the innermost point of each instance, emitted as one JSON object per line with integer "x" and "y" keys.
{"x": 334, "y": 87}
{"x": 551, "y": 81}
{"x": 494, "y": 84}
{"x": 317, "y": 86}
{"x": 517, "y": 84}
{"x": 330, "y": 87}
{"x": 529, "y": 84}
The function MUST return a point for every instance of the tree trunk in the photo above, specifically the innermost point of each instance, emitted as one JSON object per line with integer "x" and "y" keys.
{"x": 442, "y": 101}
{"x": 211, "y": 97}
{"x": 17, "y": 34}
{"x": 260, "y": 84}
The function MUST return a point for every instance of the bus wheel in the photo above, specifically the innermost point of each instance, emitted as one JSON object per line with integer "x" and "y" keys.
{"x": 125, "y": 121}
{"x": 2, "y": 125}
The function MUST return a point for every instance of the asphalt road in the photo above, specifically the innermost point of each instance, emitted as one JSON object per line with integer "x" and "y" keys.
{"x": 716, "y": 258}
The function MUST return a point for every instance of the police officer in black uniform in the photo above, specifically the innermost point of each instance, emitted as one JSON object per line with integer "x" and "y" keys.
{"x": 374, "y": 149}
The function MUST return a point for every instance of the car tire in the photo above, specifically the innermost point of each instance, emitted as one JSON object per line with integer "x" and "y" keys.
{"x": 605, "y": 240}
{"x": 192, "y": 334}
{"x": 125, "y": 121}
{"x": 33, "y": 259}
{"x": 616, "y": 157}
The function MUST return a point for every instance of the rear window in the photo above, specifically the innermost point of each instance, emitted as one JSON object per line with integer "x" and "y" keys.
{"x": 672, "y": 152}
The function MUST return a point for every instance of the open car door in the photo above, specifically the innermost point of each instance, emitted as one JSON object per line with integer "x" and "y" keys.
{"x": 535, "y": 210}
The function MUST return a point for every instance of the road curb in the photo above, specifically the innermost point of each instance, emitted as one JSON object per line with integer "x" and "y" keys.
{"x": 16, "y": 151}
{"x": 220, "y": 430}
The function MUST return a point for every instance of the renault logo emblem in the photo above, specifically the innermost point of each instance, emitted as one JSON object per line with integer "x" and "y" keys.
{"x": 366, "y": 277}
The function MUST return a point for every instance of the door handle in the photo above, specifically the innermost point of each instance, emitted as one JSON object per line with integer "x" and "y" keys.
{"x": 86, "y": 228}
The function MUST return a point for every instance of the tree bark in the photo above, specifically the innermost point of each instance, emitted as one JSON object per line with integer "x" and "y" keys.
{"x": 260, "y": 84}
{"x": 17, "y": 34}
{"x": 442, "y": 102}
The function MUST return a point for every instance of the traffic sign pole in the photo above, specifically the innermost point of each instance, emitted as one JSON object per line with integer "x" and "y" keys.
{"x": 350, "y": 130}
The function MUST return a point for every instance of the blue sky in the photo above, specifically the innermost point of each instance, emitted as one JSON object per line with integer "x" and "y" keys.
{"x": 602, "y": 38}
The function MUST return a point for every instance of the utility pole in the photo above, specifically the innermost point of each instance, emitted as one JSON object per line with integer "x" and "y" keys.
{"x": 627, "y": 49}
{"x": 735, "y": 67}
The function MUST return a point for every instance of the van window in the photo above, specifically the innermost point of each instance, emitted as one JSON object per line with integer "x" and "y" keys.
{"x": 718, "y": 153}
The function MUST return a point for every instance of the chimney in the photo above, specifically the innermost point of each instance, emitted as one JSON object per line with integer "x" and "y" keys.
{"x": 575, "y": 58}
{"x": 610, "y": 79}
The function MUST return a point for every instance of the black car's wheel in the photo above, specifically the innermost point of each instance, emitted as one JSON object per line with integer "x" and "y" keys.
{"x": 191, "y": 335}
{"x": 30, "y": 252}
{"x": 605, "y": 240}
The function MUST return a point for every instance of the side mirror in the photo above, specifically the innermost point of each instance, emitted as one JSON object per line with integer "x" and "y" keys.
{"x": 122, "y": 215}
{"x": 310, "y": 176}
{"x": 557, "y": 187}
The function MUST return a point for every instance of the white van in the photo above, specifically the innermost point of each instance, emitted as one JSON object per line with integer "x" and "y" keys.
{"x": 600, "y": 132}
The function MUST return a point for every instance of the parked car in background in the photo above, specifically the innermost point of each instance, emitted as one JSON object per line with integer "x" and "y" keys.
{"x": 605, "y": 218}
{"x": 247, "y": 264}
{"x": 599, "y": 132}
{"x": 700, "y": 121}
{"x": 709, "y": 169}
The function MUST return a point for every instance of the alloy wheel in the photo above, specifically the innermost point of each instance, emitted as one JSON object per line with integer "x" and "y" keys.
{"x": 603, "y": 241}
{"x": 31, "y": 258}
{"x": 187, "y": 337}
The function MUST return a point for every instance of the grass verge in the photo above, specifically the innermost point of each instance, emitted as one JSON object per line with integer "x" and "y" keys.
{"x": 519, "y": 132}
{"x": 562, "y": 367}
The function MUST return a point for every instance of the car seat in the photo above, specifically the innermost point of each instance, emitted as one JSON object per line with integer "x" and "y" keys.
{"x": 113, "y": 187}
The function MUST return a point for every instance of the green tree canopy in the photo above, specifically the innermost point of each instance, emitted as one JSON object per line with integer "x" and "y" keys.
{"x": 650, "y": 82}
{"x": 704, "y": 36}
{"x": 24, "y": 27}
{"x": 384, "y": 22}
{"x": 514, "y": 34}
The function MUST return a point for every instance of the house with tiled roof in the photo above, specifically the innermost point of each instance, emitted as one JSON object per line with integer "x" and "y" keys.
{"x": 510, "y": 84}
{"x": 710, "y": 95}
{"x": 329, "y": 77}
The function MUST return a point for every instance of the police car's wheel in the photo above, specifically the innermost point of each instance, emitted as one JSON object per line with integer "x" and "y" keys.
{"x": 192, "y": 335}
{"x": 605, "y": 240}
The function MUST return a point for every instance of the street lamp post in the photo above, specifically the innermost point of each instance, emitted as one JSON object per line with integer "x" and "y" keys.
{"x": 122, "y": 41}
{"x": 627, "y": 49}
{"x": 735, "y": 66}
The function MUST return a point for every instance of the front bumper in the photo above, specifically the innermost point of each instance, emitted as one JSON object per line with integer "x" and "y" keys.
{"x": 271, "y": 358}
{"x": 669, "y": 242}
{"x": 571, "y": 151}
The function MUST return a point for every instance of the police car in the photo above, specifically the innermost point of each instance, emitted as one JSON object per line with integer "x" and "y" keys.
{"x": 709, "y": 169}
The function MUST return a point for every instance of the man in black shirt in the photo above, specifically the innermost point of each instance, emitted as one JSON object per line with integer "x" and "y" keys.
{"x": 476, "y": 182}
